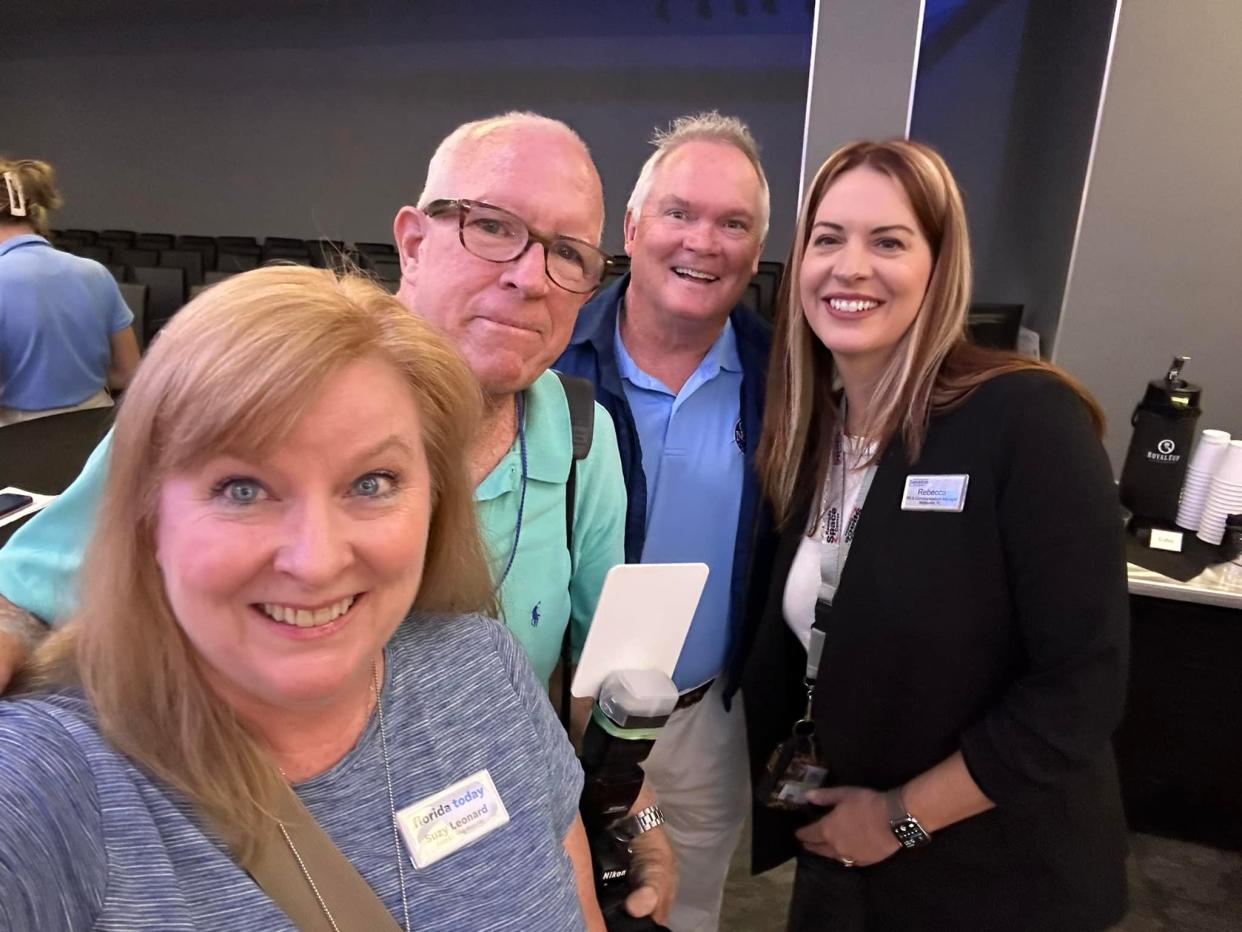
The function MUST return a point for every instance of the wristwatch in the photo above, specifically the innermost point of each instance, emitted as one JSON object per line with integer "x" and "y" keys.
{"x": 627, "y": 828}
{"x": 905, "y": 827}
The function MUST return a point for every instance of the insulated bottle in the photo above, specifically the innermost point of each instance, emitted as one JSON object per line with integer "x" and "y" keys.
{"x": 1164, "y": 430}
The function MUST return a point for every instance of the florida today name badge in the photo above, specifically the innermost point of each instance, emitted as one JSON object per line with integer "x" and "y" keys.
{"x": 934, "y": 493}
{"x": 461, "y": 814}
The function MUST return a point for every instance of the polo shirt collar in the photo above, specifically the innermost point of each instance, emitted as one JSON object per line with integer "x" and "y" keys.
{"x": 549, "y": 444}
{"x": 25, "y": 239}
{"x": 722, "y": 354}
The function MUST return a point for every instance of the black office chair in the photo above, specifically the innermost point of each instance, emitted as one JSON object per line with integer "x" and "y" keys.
{"x": 166, "y": 292}
{"x": 189, "y": 259}
{"x": 376, "y": 249}
{"x": 230, "y": 261}
{"x": 135, "y": 296}
{"x": 205, "y": 246}
{"x": 277, "y": 253}
{"x": 84, "y": 237}
{"x": 101, "y": 254}
{"x": 995, "y": 325}
{"x": 132, "y": 258}
{"x": 284, "y": 242}
{"x": 329, "y": 254}
{"x": 156, "y": 241}
{"x": 118, "y": 237}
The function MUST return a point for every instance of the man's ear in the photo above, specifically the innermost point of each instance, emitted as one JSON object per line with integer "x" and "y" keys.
{"x": 631, "y": 231}
{"x": 409, "y": 230}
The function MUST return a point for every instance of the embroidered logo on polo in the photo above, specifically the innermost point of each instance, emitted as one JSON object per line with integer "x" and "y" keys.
{"x": 534, "y": 615}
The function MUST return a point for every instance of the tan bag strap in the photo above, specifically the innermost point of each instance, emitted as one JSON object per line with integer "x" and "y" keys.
{"x": 352, "y": 902}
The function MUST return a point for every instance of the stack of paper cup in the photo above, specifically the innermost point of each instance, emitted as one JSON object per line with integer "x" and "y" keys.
{"x": 1203, "y": 462}
{"x": 1224, "y": 495}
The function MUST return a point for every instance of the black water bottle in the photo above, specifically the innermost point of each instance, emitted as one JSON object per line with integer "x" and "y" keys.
{"x": 1164, "y": 431}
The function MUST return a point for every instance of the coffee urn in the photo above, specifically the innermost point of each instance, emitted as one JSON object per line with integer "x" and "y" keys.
{"x": 1164, "y": 431}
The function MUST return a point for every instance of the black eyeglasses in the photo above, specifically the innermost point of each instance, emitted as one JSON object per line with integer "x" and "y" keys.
{"x": 499, "y": 236}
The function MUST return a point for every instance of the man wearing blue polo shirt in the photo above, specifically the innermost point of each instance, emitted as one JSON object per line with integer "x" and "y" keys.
{"x": 680, "y": 366}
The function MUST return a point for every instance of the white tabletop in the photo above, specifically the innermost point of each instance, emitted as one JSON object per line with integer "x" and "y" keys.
{"x": 1217, "y": 585}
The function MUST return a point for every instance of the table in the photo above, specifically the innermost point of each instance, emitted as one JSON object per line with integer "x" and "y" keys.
{"x": 1179, "y": 747}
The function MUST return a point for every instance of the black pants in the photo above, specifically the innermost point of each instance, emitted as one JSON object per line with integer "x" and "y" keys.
{"x": 827, "y": 897}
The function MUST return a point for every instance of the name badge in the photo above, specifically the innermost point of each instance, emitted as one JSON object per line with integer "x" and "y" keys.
{"x": 435, "y": 827}
{"x": 934, "y": 493}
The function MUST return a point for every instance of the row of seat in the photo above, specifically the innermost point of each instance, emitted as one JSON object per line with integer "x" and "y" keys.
{"x": 166, "y": 270}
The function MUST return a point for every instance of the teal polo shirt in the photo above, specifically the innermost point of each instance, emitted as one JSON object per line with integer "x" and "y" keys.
{"x": 39, "y": 565}
{"x": 546, "y": 586}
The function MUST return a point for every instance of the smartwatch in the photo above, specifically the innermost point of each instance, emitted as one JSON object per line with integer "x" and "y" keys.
{"x": 626, "y": 829}
{"x": 905, "y": 827}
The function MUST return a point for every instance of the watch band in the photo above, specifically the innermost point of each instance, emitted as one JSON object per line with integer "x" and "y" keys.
{"x": 630, "y": 827}
{"x": 905, "y": 827}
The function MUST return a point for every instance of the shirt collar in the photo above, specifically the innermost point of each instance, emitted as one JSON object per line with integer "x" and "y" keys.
{"x": 722, "y": 354}
{"x": 549, "y": 442}
{"x": 25, "y": 239}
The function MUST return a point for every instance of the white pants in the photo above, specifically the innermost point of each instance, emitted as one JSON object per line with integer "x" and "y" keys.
{"x": 101, "y": 399}
{"x": 700, "y": 775}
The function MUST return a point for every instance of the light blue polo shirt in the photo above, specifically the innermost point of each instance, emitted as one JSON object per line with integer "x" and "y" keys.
{"x": 57, "y": 315}
{"x": 694, "y": 466}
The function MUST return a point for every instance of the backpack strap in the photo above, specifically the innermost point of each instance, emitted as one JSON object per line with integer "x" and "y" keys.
{"x": 580, "y": 394}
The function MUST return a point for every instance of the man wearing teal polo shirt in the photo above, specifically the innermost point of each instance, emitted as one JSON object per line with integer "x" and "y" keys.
{"x": 500, "y": 254}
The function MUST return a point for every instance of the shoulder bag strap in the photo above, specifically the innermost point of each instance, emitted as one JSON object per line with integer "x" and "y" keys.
{"x": 350, "y": 898}
{"x": 580, "y": 394}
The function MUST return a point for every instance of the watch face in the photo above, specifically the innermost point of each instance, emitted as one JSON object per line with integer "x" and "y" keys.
{"x": 910, "y": 834}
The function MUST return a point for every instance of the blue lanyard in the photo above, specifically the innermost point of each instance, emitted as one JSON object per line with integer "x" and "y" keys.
{"x": 520, "y": 402}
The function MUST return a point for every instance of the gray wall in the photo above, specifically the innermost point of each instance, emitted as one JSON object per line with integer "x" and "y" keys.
{"x": 317, "y": 117}
{"x": 1156, "y": 263}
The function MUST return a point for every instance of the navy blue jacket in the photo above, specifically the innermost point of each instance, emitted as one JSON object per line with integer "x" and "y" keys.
{"x": 591, "y": 355}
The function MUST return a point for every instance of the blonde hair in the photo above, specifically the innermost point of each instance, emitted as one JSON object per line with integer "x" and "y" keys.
{"x": 709, "y": 126}
{"x": 933, "y": 368}
{"x": 34, "y": 181}
{"x": 234, "y": 370}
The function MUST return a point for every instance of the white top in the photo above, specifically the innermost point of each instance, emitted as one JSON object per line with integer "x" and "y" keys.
{"x": 815, "y": 572}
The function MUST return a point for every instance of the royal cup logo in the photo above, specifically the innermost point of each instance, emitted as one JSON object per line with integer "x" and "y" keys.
{"x": 1164, "y": 452}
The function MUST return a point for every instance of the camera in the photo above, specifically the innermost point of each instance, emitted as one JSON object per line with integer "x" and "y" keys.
{"x": 626, "y": 717}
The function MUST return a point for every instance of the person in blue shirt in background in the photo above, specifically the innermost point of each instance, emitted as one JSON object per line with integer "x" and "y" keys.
{"x": 680, "y": 365}
{"x": 65, "y": 335}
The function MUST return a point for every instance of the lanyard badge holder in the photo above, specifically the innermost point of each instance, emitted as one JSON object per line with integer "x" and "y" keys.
{"x": 797, "y": 764}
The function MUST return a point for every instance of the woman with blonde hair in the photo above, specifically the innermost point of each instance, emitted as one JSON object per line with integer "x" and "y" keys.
{"x": 938, "y": 624}
{"x": 278, "y": 704}
{"x": 65, "y": 335}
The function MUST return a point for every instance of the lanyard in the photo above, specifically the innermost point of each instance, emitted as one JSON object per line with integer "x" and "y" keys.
{"x": 520, "y": 403}
{"x": 823, "y": 608}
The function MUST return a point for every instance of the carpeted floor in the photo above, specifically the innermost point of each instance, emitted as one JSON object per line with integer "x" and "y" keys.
{"x": 1174, "y": 887}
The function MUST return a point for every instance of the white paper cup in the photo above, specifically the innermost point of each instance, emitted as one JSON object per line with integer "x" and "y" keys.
{"x": 1208, "y": 452}
{"x": 1229, "y": 468}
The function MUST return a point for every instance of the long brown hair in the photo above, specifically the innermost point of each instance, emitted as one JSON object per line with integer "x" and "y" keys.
{"x": 933, "y": 367}
{"x": 233, "y": 371}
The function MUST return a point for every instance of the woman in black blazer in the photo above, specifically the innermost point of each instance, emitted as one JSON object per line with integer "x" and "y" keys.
{"x": 949, "y": 515}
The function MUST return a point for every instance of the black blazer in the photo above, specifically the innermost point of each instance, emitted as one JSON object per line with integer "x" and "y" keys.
{"x": 1002, "y": 632}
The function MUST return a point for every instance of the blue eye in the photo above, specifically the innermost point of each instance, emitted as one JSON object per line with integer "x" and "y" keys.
{"x": 374, "y": 485}
{"x": 240, "y": 491}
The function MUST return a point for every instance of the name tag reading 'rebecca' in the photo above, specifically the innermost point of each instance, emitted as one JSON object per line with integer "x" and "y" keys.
{"x": 435, "y": 827}
{"x": 934, "y": 493}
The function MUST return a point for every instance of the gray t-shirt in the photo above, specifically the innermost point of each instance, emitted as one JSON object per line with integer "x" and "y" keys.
{"x": 89, "y": 841}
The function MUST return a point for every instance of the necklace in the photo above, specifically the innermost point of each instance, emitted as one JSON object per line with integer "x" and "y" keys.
{"x": 392, "y": 808}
